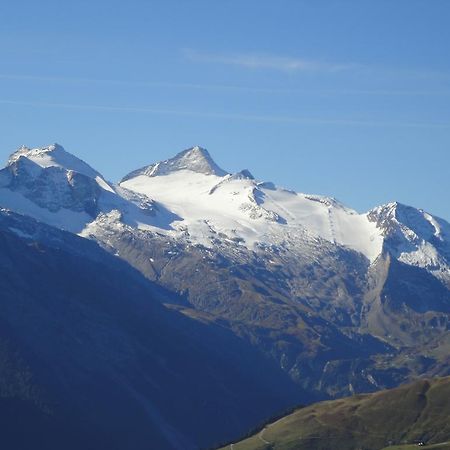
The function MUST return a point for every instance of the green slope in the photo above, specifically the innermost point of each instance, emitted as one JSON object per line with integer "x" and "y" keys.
{"x": 388, "y": 419}
{"x": 441, "y": 446}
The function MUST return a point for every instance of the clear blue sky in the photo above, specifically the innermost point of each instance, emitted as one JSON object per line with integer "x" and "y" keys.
{"x": 348, "y": 98}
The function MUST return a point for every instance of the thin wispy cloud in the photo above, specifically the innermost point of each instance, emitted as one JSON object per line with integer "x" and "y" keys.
{"x": 281, "y": 63}
{"x": 297, "y": 120}
{"x": 221, "y": 87}
{"x": 304, "y": 65}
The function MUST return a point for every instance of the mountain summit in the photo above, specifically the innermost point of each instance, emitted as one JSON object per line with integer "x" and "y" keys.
{"x": 57, "y": 188}
{"x": 53, "y": 156}
{"x": 196, "y": 159}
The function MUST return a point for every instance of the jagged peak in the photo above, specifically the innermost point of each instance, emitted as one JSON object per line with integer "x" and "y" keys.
{"x": 393, "y": 210}
{"x": 244, "y": 174}
{"x": 196, "y": 159}
{"x": 416, "y": 223}
{"x": 53, "y": 155}
{"x": 28, "y": 152}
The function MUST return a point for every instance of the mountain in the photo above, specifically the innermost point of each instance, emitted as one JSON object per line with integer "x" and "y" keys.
{"x": 195, "y": 159}
{"x": 212, "y": 204}
{"x": 411, "y": 414}
{"x": 90, "y": 358}
{"x": 342, "y": 302}
{"x": 415, "y": 237}
{"x": 59, "y": 189}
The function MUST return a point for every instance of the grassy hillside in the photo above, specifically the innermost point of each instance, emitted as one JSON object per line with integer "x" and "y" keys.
{"x": 441, "y": 446}
{"x": 384, "y": 420}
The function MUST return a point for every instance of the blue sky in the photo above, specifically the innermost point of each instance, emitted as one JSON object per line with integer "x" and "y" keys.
{"x": 347, "y": 98}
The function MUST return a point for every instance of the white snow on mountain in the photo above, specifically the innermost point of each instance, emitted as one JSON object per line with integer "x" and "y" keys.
{"x": 241, "y": 207}
{"x": 64, "y": 219}
{"x": 191, "y": 197}
{"x": 53, "y": 156}
{"x": 55, "y": 187}
{"x": 415, "y": 237}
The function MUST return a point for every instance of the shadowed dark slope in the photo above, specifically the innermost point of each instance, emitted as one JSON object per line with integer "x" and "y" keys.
{"x": 89, "y": 359}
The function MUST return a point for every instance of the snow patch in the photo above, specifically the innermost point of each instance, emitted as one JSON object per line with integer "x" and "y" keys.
{"x": 64, "y": 219}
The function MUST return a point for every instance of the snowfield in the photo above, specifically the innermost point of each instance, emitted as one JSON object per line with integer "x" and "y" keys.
{"x": 245, "y": 209}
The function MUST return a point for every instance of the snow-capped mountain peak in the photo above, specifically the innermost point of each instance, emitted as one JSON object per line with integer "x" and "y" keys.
{"x": 195, "y": 159}
{"x": 415, "y": 237}
{"x": 210, "y": 202}
{"x": 53, "y": 156}
{"x": 55, "y": 187}
{"x": 190, "y": 195}
{"x": 416, "y": 223}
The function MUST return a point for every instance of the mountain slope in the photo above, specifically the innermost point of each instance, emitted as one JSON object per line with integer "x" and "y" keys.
{"x": 342, "y": 302}
{"x": 90, "y": 358}
{"x": 412, "y": 413}
{"x": 299, "y": 271}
